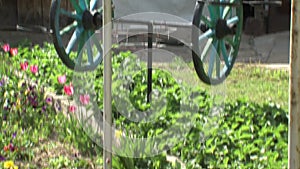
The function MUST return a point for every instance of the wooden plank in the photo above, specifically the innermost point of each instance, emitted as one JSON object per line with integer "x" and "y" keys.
{"x": 46, "y": 4}
{"x": 30, "y": 12}
{"x": 294, "y": 108}
{"x": 286, "y": 6}
{"x": 8, "y": 14}
{"x": 278, "y": 20}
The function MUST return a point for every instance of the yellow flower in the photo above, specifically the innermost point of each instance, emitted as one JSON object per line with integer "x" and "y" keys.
{"x": 18, "y": 104}
{"x": 10, "y": 165}
{"x": 26, "y": 92}
{"x": 118, "y": 134}
{"x": 20, "y": 83}
{"x": 5, "y": 94}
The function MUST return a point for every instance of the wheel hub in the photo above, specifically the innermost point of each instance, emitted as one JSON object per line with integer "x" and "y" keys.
{"x": 91, "y": 21}
{"x": 222, "y": 29}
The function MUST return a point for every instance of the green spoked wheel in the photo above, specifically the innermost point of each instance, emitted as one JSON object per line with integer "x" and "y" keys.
{"x": 73, "y": 23}
{"x": 216, "y": 36}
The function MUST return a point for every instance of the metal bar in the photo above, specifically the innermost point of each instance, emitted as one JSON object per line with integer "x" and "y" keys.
{"x": 107, "y": 99}
{"x": 263, "y": 2}
{"x": 223, "y": 3}
{"x": 163, "y": 23}
{"x": 150, "y": 46}
{"x": 294, "y": 97}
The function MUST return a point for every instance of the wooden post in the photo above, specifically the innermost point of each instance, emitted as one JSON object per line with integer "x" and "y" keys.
{"x": 294, "y": 109}
{"x": 107, "y": 38}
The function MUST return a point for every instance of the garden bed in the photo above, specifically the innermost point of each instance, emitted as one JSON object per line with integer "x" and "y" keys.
{"x": 249, "y": 133}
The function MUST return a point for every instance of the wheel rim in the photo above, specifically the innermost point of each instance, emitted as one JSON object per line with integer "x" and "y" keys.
{"x": 73, "y": 31}
{"x": 216, "y": 39}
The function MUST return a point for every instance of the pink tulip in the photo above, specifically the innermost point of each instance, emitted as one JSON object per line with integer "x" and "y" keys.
{"x": 62, "y": 79}
{"x": 34, "y": 69}
{"x": 6, "y": 47}
{"x": 24, "y": 66}
{"x": 13, "y": 51}
{"x": 84, "y": 99}
{"x": 72, "y": 109}
{"x": 69, "y": 89}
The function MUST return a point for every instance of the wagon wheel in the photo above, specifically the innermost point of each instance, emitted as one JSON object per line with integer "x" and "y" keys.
{"x": 72, "y": 29}
{"x": 217, "y": 29}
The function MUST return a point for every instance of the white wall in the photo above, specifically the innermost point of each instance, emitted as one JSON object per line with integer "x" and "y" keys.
{"x": 180, "y": 8}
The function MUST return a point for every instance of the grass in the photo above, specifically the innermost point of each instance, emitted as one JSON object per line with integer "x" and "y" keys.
{"x": 246, "y": 81}
{"x": 258, "y": 84}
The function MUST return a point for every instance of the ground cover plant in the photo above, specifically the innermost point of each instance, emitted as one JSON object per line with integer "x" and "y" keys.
{"x": 250, "y": 132}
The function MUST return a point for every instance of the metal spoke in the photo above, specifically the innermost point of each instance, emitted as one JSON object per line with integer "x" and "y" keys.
{"x": 232, "y": 20}
{"x": 98, "y": 47}
{"x": 229, "y": 40}
{"x": 221, "y": 10}
{"x": 212, "y": 59}
{"x": 89, "y": 50}
{"x": 100, "y": 10}
{"x": 68, "y": 28}
{"x": 224, "y": 53}
{"x": 76, "y": 6}
{"x": 205, "y": 35}
{"x": 226, "y": 10}
{"x": 83, "y": 5}
{"x": 70, "y": 14}
{"x": 87, "y": 3}
{"x": 80, "y": 47}
{"x": 73, "y": 40}
{"x": 218, "y": 63}
{"x": 213, "y": 13}
{"x": 207, "y": 21}
{"x": 97, "y": 44}
{"x": 93, "y": 4}
{"x": 206, "y": 49}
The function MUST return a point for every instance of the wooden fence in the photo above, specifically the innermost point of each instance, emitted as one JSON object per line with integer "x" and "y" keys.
{"x": 26, "y": 12}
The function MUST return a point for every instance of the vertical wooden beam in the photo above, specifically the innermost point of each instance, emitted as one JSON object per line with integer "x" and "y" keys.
{"x": 294, "y": 108}
{"x": 107, "y": 125}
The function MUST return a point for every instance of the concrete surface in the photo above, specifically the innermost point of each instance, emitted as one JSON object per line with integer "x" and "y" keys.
{"x": 265, "y": 49}
{"x": 270, "y": 48}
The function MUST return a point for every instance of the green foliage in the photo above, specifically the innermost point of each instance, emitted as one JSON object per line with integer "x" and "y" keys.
{"x": 244, "y": 134}
{"x": 248, "y": 136}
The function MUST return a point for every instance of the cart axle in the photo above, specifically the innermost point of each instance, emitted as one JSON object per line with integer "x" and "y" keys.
{"x": 91, "y": 21}
{"x": 222, "y": 29}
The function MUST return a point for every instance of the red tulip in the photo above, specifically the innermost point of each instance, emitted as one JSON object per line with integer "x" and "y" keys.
{"x": 34, "y": 69}
{"x": 6, "y": 148}
{"x": 72, "y": 109}
{"x": 24, "y": 66}
{"x": 12, "y": 147}
{"x": 13, "y": 51}
{"x": 69, "y": 89}
{"x": 84, "y": 99}
{"x": 6, "y": 47}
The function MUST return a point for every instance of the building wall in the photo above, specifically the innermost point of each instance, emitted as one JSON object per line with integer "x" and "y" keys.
{"x": 262, "y": 19}
{"x": 26, "y": 12}
{"x": 36, "y": 12}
